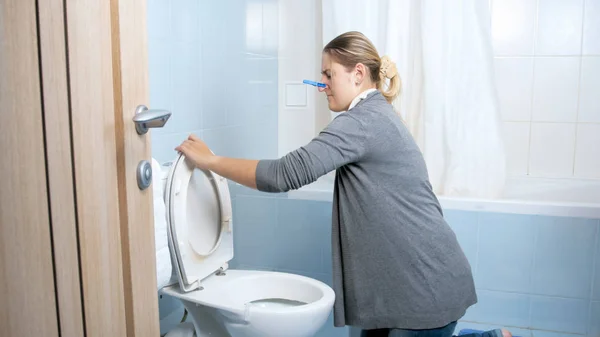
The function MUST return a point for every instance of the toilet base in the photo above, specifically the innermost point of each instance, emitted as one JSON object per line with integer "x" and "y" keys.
{"x": 185, "y": 329}
{"x": 204, "y": 321}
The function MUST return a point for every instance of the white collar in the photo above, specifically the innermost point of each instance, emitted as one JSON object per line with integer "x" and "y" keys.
{"x": 360, "y": 97}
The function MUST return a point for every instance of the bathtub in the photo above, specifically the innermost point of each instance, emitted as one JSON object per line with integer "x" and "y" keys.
{"x": 523, "y": 195}
{"x": 547, "y": 281}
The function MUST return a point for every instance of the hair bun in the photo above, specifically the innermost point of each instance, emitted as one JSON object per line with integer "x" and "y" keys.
{"x": 388, "y": 67}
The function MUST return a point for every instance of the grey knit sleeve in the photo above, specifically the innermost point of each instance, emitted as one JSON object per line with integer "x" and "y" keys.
{"x": 340, "y": 143}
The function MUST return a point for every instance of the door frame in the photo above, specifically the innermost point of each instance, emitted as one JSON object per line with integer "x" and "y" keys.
{"x": 115, "y": 218}
{"x": 130, "y": 74}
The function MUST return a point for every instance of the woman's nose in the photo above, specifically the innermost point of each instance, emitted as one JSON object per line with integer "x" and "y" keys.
{"x": 321, "y": 89}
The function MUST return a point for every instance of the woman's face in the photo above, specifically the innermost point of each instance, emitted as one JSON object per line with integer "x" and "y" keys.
{"x": 342, "y": 85}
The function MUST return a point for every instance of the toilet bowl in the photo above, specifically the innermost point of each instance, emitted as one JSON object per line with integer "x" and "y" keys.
{"x": 220, "y": 301}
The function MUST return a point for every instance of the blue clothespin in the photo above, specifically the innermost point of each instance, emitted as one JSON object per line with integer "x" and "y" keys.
{"x": 316, "y": 84}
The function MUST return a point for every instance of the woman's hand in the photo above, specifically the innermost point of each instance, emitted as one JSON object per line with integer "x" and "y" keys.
{"x": 196, "y": 151}
{"x": 241, "y": 171}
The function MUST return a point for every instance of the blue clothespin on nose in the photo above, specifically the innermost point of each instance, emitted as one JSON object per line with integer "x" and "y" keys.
{"x": 316, "y": 84}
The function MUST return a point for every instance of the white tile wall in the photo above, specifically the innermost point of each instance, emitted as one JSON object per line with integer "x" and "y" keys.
{"x": 591, "y": 28}
{"x": 552, "y": 149}
{"x": 587, "y": 156}
{"x": 589, "y": 98}
{"x": 547, "y": 68}
{"x": 298, "y": 60}
{"x": 514, "y": 79}
{"x": 559, "y": 27}
{"x": 555, "y": 89}
{"x": 513, "y": 26}
{"x": 516, "y": 134}
{"x": 547, "y": 60}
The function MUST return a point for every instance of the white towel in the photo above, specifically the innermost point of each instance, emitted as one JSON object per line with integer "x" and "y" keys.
{"x": 164, "y": 268}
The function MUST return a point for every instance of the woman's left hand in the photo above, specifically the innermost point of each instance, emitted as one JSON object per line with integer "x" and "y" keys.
{"x": 196, "y": 151}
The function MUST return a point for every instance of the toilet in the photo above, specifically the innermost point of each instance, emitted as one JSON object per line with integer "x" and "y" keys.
{"x": 220, "y": 301}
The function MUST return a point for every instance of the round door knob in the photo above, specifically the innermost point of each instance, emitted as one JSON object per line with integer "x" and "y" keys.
{"x": 144, "y": 174}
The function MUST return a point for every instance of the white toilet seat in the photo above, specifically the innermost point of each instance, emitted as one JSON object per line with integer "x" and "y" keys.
{"x": 199, "y": 222}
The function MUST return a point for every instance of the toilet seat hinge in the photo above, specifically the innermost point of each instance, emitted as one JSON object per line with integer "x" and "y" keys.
{"x": 221, "y": 271}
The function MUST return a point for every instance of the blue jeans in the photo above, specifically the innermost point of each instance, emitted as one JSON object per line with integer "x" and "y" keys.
{"x": 446, "y": 331}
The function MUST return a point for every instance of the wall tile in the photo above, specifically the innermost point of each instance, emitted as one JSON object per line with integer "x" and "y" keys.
{"x": 564, "y": 256}
{"x": 254, "y": 141}
{"x": 159, "y": 76}
{"x": 257, "y": 101}
{"x": 237, "y": 189}
{"x": 170, "y": 315}
{"x": 589, "y": 100}
{"x": 594, "y": 320}
{"x": 465, "y": 226}
{"x": 158, "y": 19}
{"x": 258, "y": 140}
{"x": 328, "y": 330}
{"x": 591, "y": 28}
{"x": 542, "y": 333}
{"x": 224, "y": 141}
{"x": 260, "y": 69}
{"x": 596, "y": 290}
{"x": 270, "y": 36}
{"x": 516, "y": 142}
{"x": 300, "y": 239}
{"x": 559, "y": 27}
{"x": 552, "y": 149}
{"x": 513, "y": 24}
{"x": 503, "y": 308}
{"x": 514, "y": 81}
{"x": 164, "y": 144}
{"x": 186, "y": 86}
{"x": 185, "y": 25}
{"x": 505, "y": 252}
{"x": 296, "y": 42}
{"x": 255, "y": 225}
{"x": 587, "y": 153}
{"x": 560, "y": 315}
{"x": 555, "y": 89}
{"x": 214, "y": 106}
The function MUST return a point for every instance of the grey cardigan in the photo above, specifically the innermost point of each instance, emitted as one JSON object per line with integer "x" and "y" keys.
{"x": 396, "y": 262}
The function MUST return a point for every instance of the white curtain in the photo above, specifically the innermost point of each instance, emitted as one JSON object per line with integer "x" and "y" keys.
{"x": 443, "y": 52}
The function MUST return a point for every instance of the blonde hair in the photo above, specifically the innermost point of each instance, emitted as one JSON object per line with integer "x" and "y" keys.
{"x": 352, "y": 48}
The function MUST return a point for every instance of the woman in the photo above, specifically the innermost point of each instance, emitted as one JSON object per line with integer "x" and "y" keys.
{"x": 397, "y": 266}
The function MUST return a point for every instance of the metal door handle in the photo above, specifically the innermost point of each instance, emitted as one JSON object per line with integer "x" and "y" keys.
{"x": 145, "y": 119}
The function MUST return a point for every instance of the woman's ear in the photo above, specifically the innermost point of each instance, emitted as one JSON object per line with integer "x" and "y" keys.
{"x": 359, "y": 72}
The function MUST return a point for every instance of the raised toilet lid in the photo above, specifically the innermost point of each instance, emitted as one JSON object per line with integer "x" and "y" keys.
{"x": 199, "y": 222}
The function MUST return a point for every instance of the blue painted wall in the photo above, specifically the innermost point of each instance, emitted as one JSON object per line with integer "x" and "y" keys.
{"x": 216, "y": 75}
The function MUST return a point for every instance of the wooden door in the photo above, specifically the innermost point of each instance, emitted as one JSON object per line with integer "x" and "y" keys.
{"x": 76, "y": 232}
{"x": 29, "y": 306}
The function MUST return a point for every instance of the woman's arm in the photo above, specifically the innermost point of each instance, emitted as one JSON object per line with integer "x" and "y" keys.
{"x": 242, "y": 171}
{"x": 342, "y": 142}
